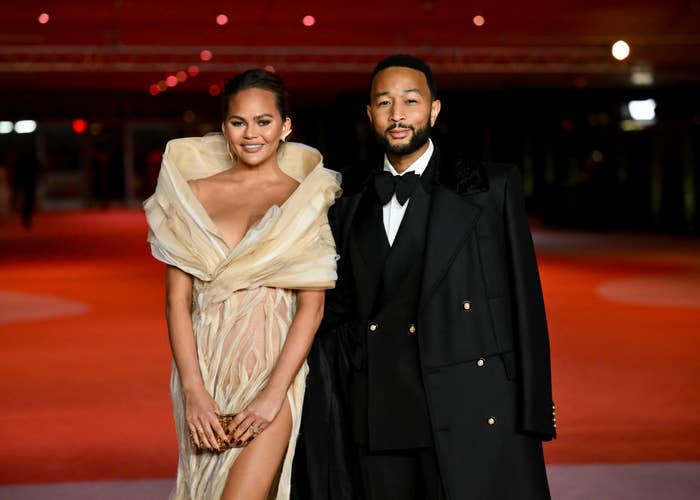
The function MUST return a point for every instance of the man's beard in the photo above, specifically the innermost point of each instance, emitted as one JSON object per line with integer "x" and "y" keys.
{"x": 418, "y": 140}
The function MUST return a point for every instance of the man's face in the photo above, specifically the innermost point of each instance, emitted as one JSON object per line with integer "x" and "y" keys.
{"x": 401, "y": 110}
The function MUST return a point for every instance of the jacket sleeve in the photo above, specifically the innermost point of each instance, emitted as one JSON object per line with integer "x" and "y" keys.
{"x": 536, "y": 409}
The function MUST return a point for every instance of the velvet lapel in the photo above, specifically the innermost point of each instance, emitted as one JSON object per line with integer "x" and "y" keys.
{"x": 451, "y": 219}
{"x": 369, "y": 247}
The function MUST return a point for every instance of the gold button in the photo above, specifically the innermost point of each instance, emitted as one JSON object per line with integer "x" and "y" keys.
{"x": 411, "y": 329}
{"x": 491, "y": 421}
{"x": 466, "y": 305}
{"x": 480, "y": 362}
{"x": 373, "y": 327}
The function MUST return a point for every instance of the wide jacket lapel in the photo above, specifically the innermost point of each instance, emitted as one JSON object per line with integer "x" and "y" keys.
{"x": 368, "y": 249}
{"x": 452, "y": 218}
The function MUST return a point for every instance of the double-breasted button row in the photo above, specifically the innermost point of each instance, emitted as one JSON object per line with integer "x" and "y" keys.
{"x": 466, "y": 305}
{"x": 554, "y": 416}
{"x": 481, "y": 362}
{"x": 373, "y": 327}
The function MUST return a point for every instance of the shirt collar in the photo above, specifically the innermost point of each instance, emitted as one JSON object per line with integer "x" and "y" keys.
{"x": 417, "y": 166}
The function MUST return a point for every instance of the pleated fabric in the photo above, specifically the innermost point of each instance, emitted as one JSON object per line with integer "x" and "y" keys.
{"x": 243, "y": 297}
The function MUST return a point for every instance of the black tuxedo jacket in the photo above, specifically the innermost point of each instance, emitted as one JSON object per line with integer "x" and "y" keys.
{"x": 483, "y": 345}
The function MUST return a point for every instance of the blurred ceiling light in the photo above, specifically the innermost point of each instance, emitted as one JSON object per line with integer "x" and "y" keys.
{"x": 620, "y": 50}
{"x": 25, "y": 126}
{"x": 154, "y": 89}
{"x": 221, "y": 19}
{"x": 309, "y": 21}
{"x": 6, "y": 127}
{"x": 206, "y": 55}
{"x": 79, "y": 125}
{"x": 478, "y": 20}
{"x": 642, "y": 76}
{"x": 181, "y": 76}
{"x": 162, "y": 85}
{"x": 193, "y": 70}
{"x": 43, "y": 18}
{"x": 171, "y": 81}
{"x": 214, "y": 89}
{"x": 270, "y": 68}
{"x": 642, "y": 111}
{"x": 189, "y": 116}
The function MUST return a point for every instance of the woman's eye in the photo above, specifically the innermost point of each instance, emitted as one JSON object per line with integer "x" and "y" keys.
{"x": 236, "y": 124}
{"x": 264, "y": 123}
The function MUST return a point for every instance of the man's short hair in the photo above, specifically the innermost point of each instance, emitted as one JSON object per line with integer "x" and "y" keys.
{"x": 406, "y": 61}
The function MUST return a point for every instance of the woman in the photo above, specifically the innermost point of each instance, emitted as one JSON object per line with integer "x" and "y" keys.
{"x": 240, "y": 219}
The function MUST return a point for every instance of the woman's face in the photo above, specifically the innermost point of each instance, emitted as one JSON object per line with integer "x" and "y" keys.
{"x": 254, "y": 126}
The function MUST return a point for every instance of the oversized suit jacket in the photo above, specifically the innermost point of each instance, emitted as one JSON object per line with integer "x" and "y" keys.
{"x": 483, "y": 343}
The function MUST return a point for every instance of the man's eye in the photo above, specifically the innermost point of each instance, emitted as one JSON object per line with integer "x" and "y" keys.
{"x": 382, "y": 103}
{"x": 411, "y": 101}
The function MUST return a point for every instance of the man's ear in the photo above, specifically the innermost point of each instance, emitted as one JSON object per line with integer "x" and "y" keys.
{"x": 435, "y": 107}
{"x": 369, "y": 113}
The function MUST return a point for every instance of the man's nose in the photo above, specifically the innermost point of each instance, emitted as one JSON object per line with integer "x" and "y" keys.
{"x": 397, "y": 113}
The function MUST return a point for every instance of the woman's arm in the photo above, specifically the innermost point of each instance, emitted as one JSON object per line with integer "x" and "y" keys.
{"x": 200, "y": 408}
{"x": 265, "y": 407}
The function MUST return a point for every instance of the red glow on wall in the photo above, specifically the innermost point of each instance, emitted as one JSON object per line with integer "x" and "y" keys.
{"x": 206, "y": 55}
{"x": 79, "y": 125}
{"x": 221, "y": 19}
{"x": 43, "y": 18}
{"x": 309, "y": 21}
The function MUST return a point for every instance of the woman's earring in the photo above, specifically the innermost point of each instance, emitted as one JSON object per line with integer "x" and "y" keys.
{"x": 230, "y": 154}
{"x": 285, "y": 135}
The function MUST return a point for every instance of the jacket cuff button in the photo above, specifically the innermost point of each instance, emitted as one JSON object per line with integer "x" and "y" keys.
{"x": 480, "y": 362}
{"x": 491, "y": 421}
{"x": 373, "y": 327}
{"x": 466, "y": 305}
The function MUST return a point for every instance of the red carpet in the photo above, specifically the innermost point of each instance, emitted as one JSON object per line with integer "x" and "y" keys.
{"x": 85, "y": 396}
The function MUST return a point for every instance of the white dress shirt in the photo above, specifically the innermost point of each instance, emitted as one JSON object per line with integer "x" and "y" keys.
{"x": 393, "y": 211}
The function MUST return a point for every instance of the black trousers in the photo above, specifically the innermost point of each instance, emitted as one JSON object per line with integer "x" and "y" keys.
{"x": 400, "y": 474}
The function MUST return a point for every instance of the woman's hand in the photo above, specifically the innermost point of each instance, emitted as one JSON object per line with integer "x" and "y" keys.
{"x": 201, "y": 413}
{"x": 256, "y": 417}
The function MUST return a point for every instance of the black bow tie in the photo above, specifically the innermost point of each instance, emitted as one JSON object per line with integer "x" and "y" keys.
{"x": 387, "y": 185}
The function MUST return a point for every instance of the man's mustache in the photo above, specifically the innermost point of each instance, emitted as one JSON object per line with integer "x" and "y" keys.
{"x": 400, "y": 125}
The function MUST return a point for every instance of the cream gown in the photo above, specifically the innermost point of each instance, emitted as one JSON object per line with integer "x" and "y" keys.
{"x": 243, "y": 297}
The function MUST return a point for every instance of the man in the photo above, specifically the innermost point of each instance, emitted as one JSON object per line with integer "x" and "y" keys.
{"x": 438, "y": 309}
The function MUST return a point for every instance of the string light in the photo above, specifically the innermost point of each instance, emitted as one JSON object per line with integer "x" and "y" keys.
{"x": 620, "y": 50}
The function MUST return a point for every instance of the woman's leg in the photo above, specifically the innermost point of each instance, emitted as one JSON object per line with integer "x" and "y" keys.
{"x": 253, "y": 472}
